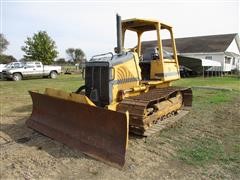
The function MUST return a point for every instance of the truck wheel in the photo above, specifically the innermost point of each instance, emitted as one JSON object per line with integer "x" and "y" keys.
{"x": 17, "y": 77}
{"x": 53, "y": 74}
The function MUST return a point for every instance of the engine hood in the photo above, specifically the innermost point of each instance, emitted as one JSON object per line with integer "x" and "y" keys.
{"x": 10, "y": 70}
{"x": 113, "y": 60}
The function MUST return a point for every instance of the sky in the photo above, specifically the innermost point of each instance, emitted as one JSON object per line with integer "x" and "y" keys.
{"x": 90, "y": 25}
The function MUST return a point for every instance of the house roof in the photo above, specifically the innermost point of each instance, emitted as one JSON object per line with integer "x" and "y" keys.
{"x": 199, "y": 44}
{"x": 232, "y": 54}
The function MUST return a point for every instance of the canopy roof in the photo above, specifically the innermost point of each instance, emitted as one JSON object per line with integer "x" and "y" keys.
{"x": 140, "y": 25}
{"x": 197, "y": 64}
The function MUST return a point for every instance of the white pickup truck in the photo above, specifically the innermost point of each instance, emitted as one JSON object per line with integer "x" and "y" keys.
{"x": 30, "y": 70}
{"x": 10, "y": 66}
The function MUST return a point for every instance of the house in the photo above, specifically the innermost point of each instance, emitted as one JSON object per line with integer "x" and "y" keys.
{"x": 223, "y": 48}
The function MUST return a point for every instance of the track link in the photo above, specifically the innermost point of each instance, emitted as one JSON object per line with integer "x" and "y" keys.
{"x": 142, "y": 112}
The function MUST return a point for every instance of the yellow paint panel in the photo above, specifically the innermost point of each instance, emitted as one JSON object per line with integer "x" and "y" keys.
{"x": 127, "y": 76}
{"x": 167, "y": 72}
{"x": 69, "y": 96}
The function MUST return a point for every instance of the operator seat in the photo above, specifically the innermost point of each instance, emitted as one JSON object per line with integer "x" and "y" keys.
{"x": 148, "y": 54}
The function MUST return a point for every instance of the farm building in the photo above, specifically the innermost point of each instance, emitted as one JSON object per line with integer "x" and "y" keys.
{"x": 222, "y": 50}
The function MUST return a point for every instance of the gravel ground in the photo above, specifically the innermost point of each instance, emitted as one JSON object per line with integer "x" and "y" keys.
{"x": 26, "y": 154}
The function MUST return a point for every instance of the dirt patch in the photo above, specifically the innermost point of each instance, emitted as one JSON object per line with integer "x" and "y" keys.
{"x": 211, "y": 129}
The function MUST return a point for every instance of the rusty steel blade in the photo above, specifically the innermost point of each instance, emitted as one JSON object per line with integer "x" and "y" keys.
{"x": 97, "y": 132}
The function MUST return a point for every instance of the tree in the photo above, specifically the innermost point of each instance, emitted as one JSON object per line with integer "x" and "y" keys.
{"x": 40, "y": 48}
{"x": 76, "y": 55}
{"x": 79, "y": 55}
{"x": 60, "y": 61}
{"x": 5, "y": 59}
{"x": 3, "y": 43}
{"x": 71, "y": 53}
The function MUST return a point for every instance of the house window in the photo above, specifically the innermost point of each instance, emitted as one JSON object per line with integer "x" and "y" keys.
{"x": 233, "y": 61}
{"x": 208, "y": 57}
{"x": 227, "y": 60}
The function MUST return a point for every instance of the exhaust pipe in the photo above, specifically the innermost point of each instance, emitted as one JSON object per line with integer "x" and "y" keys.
{"x": 119, "y": 35}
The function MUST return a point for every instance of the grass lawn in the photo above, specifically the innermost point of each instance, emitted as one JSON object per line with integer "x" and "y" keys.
{"x": 72, "y": 82}
{"x": 16, "y": 93}
{"x": 204, "y": 144}
{"x": 223, "y": 82}
{"x": 65, "y": 82}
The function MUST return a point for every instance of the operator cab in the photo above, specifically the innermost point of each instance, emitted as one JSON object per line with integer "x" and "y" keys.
{"x": 155, "y": 62}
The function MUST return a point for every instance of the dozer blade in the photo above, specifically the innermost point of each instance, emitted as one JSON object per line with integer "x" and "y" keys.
{"x": 97, "y": 132}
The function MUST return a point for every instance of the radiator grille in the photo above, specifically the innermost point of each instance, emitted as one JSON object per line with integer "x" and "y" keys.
{"x": 97, "y": 83}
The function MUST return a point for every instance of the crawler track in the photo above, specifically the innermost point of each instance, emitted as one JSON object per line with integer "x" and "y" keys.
{"x": 155, "y": 105}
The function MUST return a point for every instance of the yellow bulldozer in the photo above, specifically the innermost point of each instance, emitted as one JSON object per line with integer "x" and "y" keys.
{"x": 129, "y": 91}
